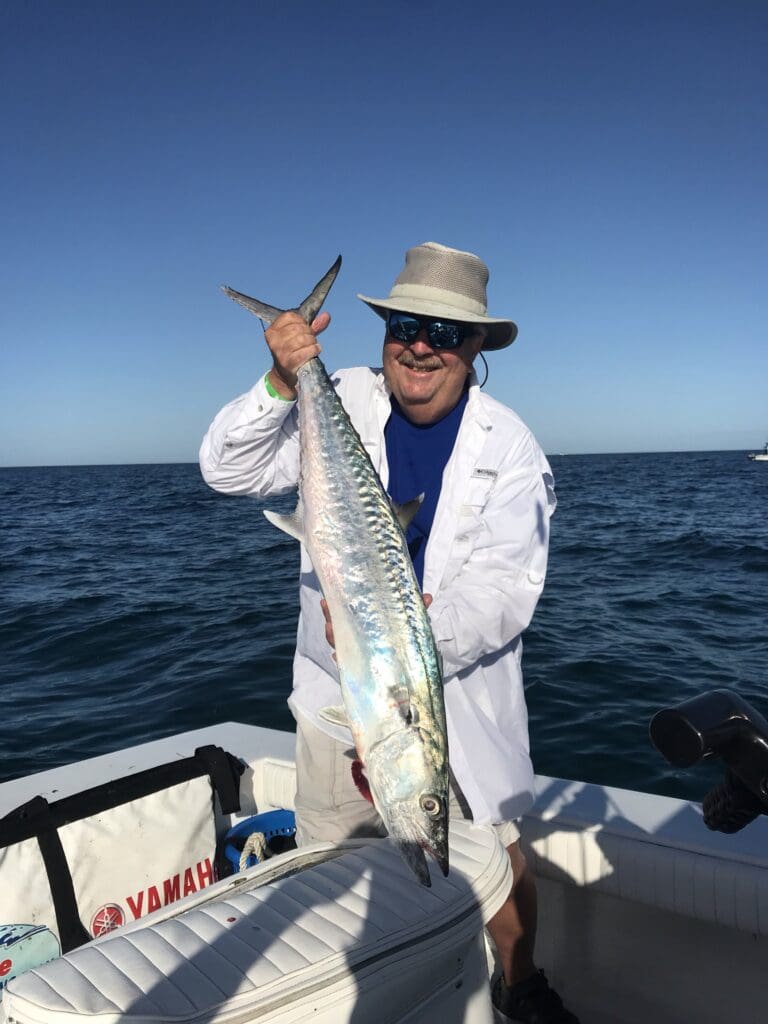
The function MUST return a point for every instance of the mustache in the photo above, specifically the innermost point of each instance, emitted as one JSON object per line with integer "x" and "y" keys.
{"x": 408, "y": 359}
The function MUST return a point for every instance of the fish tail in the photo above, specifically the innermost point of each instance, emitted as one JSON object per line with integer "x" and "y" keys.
{"x": 313, "y": 303}
{"x": 309, "y": 308}
{"x": 260, "y": 309}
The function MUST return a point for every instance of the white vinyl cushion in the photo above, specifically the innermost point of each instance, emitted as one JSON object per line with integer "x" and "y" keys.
{"x": 241, "y": 955}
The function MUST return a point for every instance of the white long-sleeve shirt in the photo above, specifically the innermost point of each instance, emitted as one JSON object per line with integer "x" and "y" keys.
{"x": 484, "y": 566}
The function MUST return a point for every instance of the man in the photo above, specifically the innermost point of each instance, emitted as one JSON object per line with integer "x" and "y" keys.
{"x": 479, "y": 546}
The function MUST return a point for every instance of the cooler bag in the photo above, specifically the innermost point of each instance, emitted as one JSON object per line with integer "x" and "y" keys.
{"x": 80, "y": 867}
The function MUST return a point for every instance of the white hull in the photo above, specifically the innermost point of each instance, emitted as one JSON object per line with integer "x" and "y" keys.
{"x": 644, "y": 914}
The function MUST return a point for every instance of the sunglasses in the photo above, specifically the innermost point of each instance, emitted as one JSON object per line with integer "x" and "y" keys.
{"x": 441, "y": 333}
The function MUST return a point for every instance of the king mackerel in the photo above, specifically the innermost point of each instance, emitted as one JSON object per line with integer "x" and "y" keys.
{"x": 389, "y": 667}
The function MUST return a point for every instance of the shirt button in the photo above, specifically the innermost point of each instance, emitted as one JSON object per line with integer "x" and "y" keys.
{"x": 535, "y": 577}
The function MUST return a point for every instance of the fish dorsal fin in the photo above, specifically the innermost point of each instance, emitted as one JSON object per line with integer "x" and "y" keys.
{"x": 334, "y": 716}
{"x": 313, "y": 303}
{"x": 292, "y": 524}
{"x": 405, "y": 513}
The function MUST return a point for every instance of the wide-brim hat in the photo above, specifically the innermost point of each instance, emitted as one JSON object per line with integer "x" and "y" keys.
{"x": 441, "y": 282}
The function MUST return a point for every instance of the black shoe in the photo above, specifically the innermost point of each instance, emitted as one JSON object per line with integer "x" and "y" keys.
{"x": 531, "y": 1001}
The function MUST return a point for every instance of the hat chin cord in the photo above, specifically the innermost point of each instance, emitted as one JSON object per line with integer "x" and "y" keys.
{"x": 485, "y": 364}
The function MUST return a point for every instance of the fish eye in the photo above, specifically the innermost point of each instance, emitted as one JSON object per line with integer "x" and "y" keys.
{"x": 430, "y": 805}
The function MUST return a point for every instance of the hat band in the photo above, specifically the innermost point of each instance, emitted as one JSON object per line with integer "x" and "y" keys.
{"x": 426, "y": 293}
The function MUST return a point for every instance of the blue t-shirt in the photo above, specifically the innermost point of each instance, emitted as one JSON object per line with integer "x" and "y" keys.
{"x": 417, "y": 456}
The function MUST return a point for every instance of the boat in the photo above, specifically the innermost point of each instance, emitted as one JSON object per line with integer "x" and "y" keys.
{"x": 644, "y": 914}
{"x": 759, "y": 456}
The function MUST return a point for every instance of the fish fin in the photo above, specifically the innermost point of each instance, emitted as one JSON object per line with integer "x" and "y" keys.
{"x": 334, "y": 716}
{"x": 309, "y": 308}
{"x": 401, "y": 699}
{"x": 359, "y": 779}
{"x": 406, "y": 512}
{"x": 260, "y": 309}
{"x": 313, "y": 303}
{"x": 293, "y": 524}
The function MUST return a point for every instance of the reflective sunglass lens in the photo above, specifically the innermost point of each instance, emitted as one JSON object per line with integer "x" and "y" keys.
{"x": 440, "y": 334}
{"x": 444, "y": 335}
{"x": 404, "y": 328}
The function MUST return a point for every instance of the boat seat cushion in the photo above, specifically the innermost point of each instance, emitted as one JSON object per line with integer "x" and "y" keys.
{"x": 240, "y": 953}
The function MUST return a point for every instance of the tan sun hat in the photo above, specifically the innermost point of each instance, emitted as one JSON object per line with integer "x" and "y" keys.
{"x": 441, "y": 282}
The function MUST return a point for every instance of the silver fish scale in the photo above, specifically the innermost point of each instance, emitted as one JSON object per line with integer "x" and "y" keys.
{"x": 367, "y": 576}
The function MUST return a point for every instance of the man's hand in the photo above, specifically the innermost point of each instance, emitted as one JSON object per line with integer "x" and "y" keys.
{"x": 292, "y": 343}
{"x": 329, "y": 627}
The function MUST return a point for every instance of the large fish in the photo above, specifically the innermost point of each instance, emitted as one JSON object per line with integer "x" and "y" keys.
{"x": 389, "y": 668}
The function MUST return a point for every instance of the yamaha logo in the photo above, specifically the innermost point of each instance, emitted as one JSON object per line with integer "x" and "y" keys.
{"x": 106, "y": 919}
{"x": 192, "y": 879}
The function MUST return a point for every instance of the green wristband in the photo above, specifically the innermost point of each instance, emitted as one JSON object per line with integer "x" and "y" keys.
{"x": 271, "y": 391}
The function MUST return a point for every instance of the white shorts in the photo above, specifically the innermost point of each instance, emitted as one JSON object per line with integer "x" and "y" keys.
{"x": 329, "y": 806}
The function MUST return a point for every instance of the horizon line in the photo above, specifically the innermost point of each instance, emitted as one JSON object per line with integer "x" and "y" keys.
{"x": 193, "y": 462}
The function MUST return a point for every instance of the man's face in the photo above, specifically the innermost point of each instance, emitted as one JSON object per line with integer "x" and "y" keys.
{"x": 428, "y": 382}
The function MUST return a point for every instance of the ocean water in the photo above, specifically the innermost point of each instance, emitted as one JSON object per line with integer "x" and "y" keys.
{"x": 136, "y": 602}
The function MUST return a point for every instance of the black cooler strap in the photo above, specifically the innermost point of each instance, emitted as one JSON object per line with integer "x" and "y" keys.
{"x": 224, "y": 771}
{"x": 70, "y": 928}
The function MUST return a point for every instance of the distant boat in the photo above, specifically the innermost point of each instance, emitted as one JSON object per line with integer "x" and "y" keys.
{"x": 759, "y": 456}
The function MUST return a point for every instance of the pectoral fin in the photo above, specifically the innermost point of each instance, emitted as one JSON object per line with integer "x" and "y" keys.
{"x": 401, "y": 702}
{"x": 335, "y": 716}
{"x": 293, "y": 524}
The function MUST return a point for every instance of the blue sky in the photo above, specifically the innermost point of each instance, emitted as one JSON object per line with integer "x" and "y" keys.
{"x": 606, "y": 159}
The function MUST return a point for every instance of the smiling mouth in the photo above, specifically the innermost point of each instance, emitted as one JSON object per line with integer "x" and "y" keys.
{"x": 420, "y": 367}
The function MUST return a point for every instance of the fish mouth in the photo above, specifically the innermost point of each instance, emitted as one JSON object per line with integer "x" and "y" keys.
{"x": 415, "y": 838}
{"x": 408, "y": 772}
